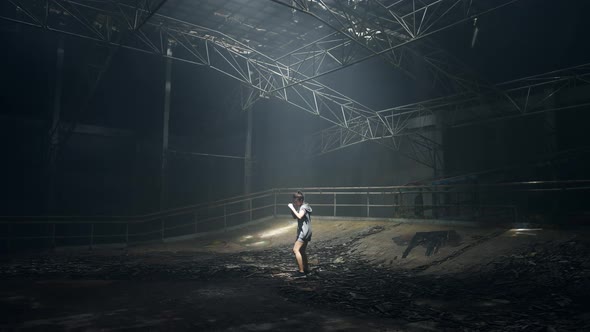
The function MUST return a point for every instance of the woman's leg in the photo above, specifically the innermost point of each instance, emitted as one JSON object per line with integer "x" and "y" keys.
{"x": 298, "y": 256}
{"x": 303, "y": 251}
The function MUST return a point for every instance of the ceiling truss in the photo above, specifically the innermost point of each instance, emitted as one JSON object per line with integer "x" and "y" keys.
{"x": 528, "y": 96}
{"x": 114, "y": 23}
{"x": 359, "y": 30}
{"x": 363, "y": 29}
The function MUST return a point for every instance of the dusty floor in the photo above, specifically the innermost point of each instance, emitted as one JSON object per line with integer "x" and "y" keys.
{"x": 481, "y": 279}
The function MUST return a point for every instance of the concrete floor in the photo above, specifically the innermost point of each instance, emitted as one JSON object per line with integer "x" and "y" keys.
{"x": 487, "y": 279}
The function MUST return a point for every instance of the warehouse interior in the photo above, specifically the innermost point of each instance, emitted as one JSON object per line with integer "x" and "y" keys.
{"x": 152, "y": 147}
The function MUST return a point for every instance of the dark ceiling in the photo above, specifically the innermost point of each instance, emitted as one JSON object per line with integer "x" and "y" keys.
{"x": 523, "y": 38}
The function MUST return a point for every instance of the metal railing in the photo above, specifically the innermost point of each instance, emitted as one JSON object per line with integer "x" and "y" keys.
{"x": 52, "y": 231}
{"x": 497, "y": 203}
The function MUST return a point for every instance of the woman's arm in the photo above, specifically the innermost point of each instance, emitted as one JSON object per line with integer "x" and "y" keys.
{"x": 299, "y": 214}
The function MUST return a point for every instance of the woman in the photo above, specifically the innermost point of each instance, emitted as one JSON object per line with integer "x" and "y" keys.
{"x": 302, "y": 212}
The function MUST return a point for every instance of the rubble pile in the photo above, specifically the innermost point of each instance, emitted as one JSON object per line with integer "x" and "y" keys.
{"x": 542, "y": 287}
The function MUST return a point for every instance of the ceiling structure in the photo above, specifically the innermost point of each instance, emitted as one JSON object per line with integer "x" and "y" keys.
{"x": 282, "y": 48}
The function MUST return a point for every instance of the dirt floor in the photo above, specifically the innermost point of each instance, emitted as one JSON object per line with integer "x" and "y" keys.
{"x": 363, "y": 278}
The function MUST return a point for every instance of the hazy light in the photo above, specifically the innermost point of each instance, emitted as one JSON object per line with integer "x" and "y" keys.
{"x": 525, "y": 231}
{"x": 255, "y": 244}
{"x": 277, "y": 231}
{"x": 246, "y": 238}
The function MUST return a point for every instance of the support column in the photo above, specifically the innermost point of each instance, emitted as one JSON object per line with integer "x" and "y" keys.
{"x": 248, "y": 153}
{"x": 165, "y": 132}
{"x": 137, "y": 177}
{"x": 54, "y": 130}
{"x": 438, "y": 162}
{"x": 558, "y": 202}
{"x": 438, "y": 137}
{"x": 549, "y": 124}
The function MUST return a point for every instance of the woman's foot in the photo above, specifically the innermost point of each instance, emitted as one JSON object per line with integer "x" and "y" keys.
{"x": 298, "y": 274}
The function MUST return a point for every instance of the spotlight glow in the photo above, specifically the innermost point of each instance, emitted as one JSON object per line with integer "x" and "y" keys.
{"x": 256, "y": 244}
{"x": 277, "y": 231}
{"x": 525, "y": 231}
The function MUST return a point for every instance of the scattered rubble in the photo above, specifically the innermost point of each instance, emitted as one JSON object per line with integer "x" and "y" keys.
{"x": 542, "y": 287}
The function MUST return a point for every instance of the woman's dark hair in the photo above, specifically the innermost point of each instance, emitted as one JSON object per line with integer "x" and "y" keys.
{"x": 298, "y": 196}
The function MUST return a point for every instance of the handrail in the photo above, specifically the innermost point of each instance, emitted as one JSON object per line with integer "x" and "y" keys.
{"x": 502, "y": 184}
{"x": 140, "y": 218}
{"x": 461, "y": 201}
{"x": 243, "y": 198}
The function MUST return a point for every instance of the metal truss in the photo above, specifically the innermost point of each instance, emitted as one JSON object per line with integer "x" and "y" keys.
{"x": 426, "y": 150}
{"x": 135, "y": 27}
{"x": 366, "y": 28}
{"x": 144, "y": 10}
{"x": 415, "y": 127}
{"x": 248, "y": 97}
{"x": 527, "y": 96}
{"x": 113, "y": 23}
{"x": 362, "y": 29}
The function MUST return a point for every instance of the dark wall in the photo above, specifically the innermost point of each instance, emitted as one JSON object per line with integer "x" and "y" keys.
{"x": 280, "y": 130}
{"x": 495, "y": 145}
{"x": 21, "y": 168}
{"x": 546, "y": 146}
{"x": 115, "y": 168}
{"x": 112, "y": 174}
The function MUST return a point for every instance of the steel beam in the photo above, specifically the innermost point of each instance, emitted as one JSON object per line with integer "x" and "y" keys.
{"x": 165, "y": 131}
{"x": 365, "y": 29}
{"x": 248, "y": 153}
{"x": 145, "y": 10}
{"x": 528, "y": 96}
{"x": 54, "y": 132}
{"x": 111, "y": 22}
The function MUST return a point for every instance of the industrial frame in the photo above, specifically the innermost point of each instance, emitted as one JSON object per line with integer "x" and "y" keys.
{"x": 365, "y": 29}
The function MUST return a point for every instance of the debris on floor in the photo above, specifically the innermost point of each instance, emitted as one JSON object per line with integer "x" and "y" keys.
{"x": 543, "y": 286}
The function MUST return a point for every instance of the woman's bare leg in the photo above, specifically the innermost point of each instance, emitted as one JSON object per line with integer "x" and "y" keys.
{"x": 298, "y": 256}
{"x": 303, "y": 251}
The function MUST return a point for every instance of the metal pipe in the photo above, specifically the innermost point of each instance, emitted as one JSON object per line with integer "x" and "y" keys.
{"x": 54, "y": 130}
{"x": 137, "y": 27}
{"x": 165, "y": 131}
{"x": 334, "y": 204}
{"x": 204, "y": 154}
{"x": 274, "y": 214}
{"x": 248, "y": 153}
{"x": 368, "y": 204}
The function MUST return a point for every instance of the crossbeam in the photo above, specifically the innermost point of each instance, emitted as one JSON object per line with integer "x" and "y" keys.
{"x": 528, "y": 96}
